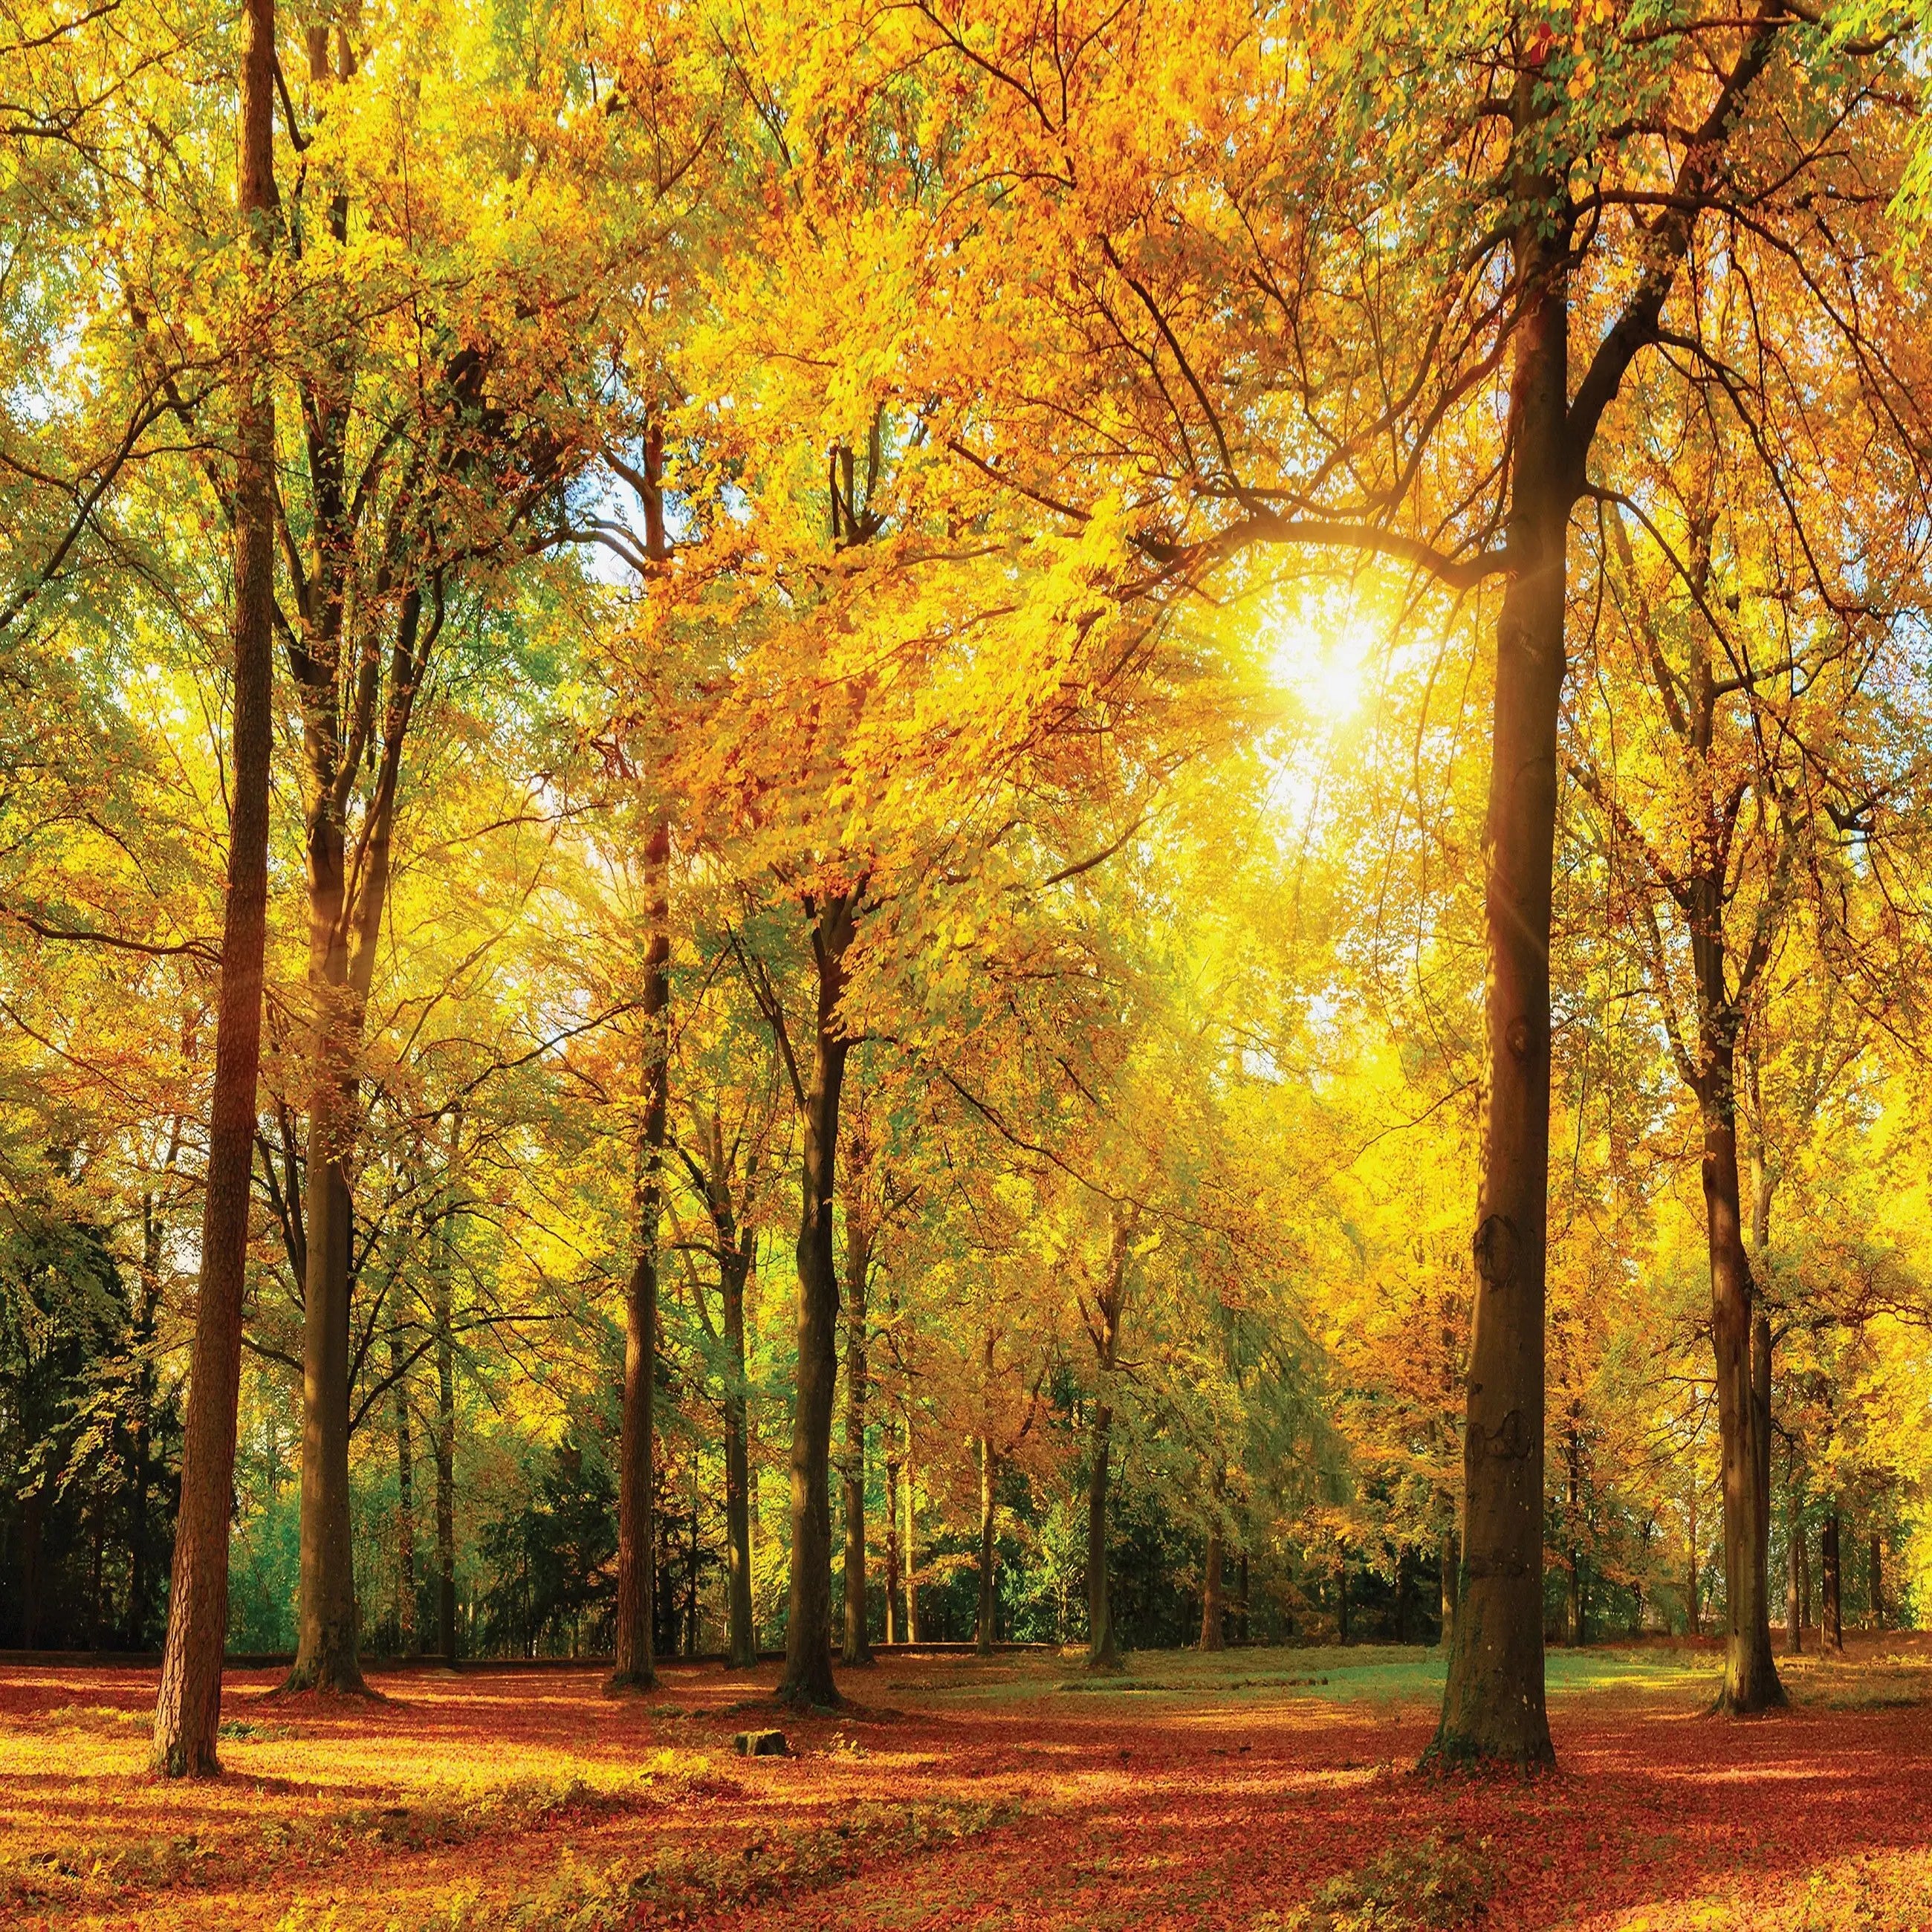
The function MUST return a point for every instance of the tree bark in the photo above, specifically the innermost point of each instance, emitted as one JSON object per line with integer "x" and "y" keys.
{"x": 984, "y": 1632}
{"x": 1213, "y": 1607}
{"x": 1450, "y": 1571}
{"x": 1875, "y": 1576}
{"x": 1102, "y": 1644}
{"x": 911, "y": 1554}
{"x": 1794, "y": 1563}
{"x": 858, "y": 1265}
{"x": 808, "y": 1679}
{"x": 187, "y": 1711}
{"x": 1492, "y": 1707}
{"x": 1693, "y": 1612}
{"x": 635, "y": 1668}
{"x": 406, "y": 1506}
{"x": 1743, "y": 1383}
{"x": 741, "y": 1635}
{"x": 1830, "y": 1615}
{"x": 445, "y": 1426}
{"x": 1803, "y": 1577}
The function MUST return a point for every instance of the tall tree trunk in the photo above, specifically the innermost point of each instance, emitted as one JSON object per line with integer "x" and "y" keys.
{"x": 1103, "y": 1643}
{"x": 1451, "y": 1569}
{"x": 858, "y": 1265}
{"x": 1831, "y": 1612}
{"x": 911, "y": 1553}
{"x": 140, "y": 1460}
{"x": 1750, "y": 1673}
{"x": 1794, "y": 1565}
{"x": 188, "y": 1711}
{"x": 740, "y": 1636}
{"x": 892, "y": 1541}
{"x": 1573, "y": 1457}
{"x": 406, "y": 1505}
{"x": 1492, "y": 1703}
{"x": 1875, "y": 1575}
{"x": 634, "y": 1668}
{"x": 1212, "y": 1604}
{"x": 1694, "y": 1610}
{"x": 808, "y": 1679}
{"x": 1803, "y": 1577}
{"x": 984, "y": 1632}
{"x": 444, "y": 1315}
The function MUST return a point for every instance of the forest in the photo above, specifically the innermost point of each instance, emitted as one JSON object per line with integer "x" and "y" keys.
{"x": 857, "y": 862}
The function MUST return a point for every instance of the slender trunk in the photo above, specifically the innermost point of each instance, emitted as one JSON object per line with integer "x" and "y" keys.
{"x": 808, "y": 1679}
{"x": 1803, "y": 1577}
{"x": 893, "y": 1579}
{"x": 1103, "y": 1643}
{"x": 740, "y": 1635}
{"x": 1694, "y": 1615}
{"x": 1574, "y": 1459}
{"x": 1242, "y": 1618}
{"x": 911, "y": 1554}
{"x": 1212, "y": 1606}
{"x": 1341, "y": 1599}
{"x": 1750, "y": 1673}
{"x": 1451, "y": 1574}
{"x": 858, "y": 1264}
{"x": 140, "y": 1456}
{"x": 188, "y": 1710}
{"x": 1492, "y": 1703}
{"x": 445, "y": 1438}
{"x": 1875, "y": 1575}
{"x": 1832, "y": 1612}
{"x": 691, "y": 1572}
{"x": 1794, "y": 1563}
{"x": 636, "y": 1545}
{"x": 406, "y": 1507}
{"x": 983, "y": 1631}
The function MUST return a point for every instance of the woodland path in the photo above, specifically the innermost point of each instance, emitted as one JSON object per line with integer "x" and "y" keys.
{"x": 1213, "y": 1793}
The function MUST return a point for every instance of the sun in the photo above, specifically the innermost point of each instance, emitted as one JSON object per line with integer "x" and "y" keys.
{"x": 1324, "y": 661}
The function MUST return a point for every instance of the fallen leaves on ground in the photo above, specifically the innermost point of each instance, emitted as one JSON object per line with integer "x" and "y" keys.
{"x": 1261, "y": 1792}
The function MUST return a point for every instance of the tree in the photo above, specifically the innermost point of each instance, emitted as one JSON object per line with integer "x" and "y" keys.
{"x": 188, "y": 1711}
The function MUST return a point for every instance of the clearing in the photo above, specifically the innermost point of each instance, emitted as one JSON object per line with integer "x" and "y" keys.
{"x": 1257, "y": 1790}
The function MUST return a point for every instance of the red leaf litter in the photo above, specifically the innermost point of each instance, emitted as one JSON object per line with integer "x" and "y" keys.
{"x": 1241, "y": 1792}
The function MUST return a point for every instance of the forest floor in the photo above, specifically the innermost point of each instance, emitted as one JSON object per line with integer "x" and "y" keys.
{"x": 1261, "y": 1790}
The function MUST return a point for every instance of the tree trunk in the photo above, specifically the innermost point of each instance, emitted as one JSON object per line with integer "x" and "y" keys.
{"x": 1342, "y": 1599}
{"x": 636, "y": 1542}
{"x": 446, "y": 1452}
{"x": 741, "y": 1635}
{"x": 1876, "y": 1575}
{"x": 858, "y": 1264}
{"x": 808, "y": 1679}
{"x": 188, "y": 1711}
{"x": 140, "y": 1458}
{"x": 893, "y": 1579}
{"x": 1803, "y": 1577}
{"x": 406, "y": 1507}
{"x": 1450, "y": 1577}
{"x": 1212, "y": 1606}
{"x": 1794, "y": 1565}
{"x": 1102, "y": 1644}
{"x": 1831, "y": 1612}
{"x": 983, "y": 1631}
{"x": 911, "y": 1556}
{"x": 1750, "y": 1673}
{"x": 1694, "y": 1612}
{"x": 1492, "y": 1705}
{"x": 1574, "y": 1459}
